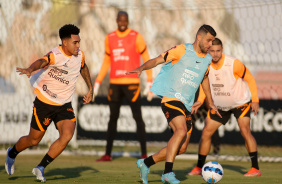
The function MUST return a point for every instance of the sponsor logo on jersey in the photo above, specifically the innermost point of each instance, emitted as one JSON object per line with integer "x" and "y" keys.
{"x": 50, "y": 93}
{"x": 57, "y": 73}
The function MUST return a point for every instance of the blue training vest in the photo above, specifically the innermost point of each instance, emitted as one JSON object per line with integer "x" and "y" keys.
{"x": 182, "y": 79}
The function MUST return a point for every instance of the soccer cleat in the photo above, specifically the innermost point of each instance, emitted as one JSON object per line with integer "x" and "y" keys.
{"x": 38, "y": 171}
{"x": 104, "y": 158}
{"x": 144, "y": 156}
{"x": 253, "y": 172}
{"x": 9, "y": 164}
{"x": 144, "y": 170}
{"x": 195, "y": 171}
{"x": 169, "y": 178}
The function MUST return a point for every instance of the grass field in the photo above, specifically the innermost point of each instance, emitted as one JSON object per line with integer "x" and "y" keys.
{"x": 123, "y": 170}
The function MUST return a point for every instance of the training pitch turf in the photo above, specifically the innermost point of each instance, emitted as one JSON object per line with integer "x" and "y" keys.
{"x": 123, "y": 170}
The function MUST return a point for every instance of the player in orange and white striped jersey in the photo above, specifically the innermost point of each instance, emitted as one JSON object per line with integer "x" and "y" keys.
{"x": 123, "y": 48}
{"x": 54, "y": 87}
{"x": 233, "y": 90}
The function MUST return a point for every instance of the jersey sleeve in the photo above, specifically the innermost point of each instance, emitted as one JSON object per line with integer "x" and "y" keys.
{"x": 106, "y": 63}
{"x": 174, "y": 54}
{"x": 142, "y": 49}
{"x": 107, "y": 46}
{"x": 240, "y": 70}
{"x": 50, "y": 58}
{"x": 140, "y": 44}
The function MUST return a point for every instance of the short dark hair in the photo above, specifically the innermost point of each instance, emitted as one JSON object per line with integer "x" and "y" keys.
{"x": 217, "y": 41}
{"x": 122, "y": 13}
{"x": 206, "y": 29}
{"x": 67, "y": 30}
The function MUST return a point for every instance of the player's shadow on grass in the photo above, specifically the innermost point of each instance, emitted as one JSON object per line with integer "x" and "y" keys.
{"x": 236, "y": 168}
{"x": 2, "y": 167}
{"x": 13, "y": 177}
{"x": 19, "y": 177}
{"x": 65, "y": 173}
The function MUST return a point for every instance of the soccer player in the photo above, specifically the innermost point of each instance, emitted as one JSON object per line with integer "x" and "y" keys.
{"x": 233, "y": 90}
{"x": 123, "y": 48}
{"x": 54, "y": 87}
{"x": 177, "y": 84}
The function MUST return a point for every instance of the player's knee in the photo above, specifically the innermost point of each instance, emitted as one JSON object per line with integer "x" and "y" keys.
{"x": 245, "y": 131}
{"x": 181, "y": 132}
{"x": 34, "y": 142}
{"x": 68, "y": 136}
{"x": 206, "y": 133}
{"x": 206, "y": 136}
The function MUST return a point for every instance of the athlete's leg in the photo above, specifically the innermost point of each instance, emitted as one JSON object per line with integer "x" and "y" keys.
{"x": 115, "y": 97}
{"x": 161, "y": 155}
{"x": 140, "y": 125}
{"x": 205, "y": 142}
{"x": 180, "y": 133}
{"x": 145, "y": 164}
{"x": 216, "y": 143}
{"x": 66, "y": 130}
{"x": 32, "y": 139}
{"x": 204, "y": 145}
{"x": 250, "y": 142}
{"x": 132, "y": 94}
{"x": 251, "y": 145}
{"x": 37, "y": 128}
{"x": 112, "y": 125}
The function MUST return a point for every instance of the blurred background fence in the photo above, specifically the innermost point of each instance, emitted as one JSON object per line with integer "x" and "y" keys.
{"x": 251, "y": 30}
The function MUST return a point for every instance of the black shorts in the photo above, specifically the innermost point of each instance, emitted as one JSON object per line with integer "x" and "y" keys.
{"x": 118, "y": 91}
{"x": 173, "y": 109}
{"x": 44, "y": 114}
{"x": 239, "y": 112}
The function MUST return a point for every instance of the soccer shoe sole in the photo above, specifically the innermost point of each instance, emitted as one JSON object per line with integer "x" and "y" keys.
{"x": 37, "y": 172}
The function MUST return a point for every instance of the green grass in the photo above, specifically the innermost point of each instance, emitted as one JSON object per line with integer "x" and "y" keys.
{"x": 84, "y": 169}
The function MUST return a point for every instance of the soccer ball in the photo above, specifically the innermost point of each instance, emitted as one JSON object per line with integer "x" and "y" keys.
{"x": 212, "y": 172}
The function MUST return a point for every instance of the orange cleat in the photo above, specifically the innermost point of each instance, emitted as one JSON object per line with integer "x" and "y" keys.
{"x": 253, "y": 172}
{"x": 104, "y": 158}
{"x": 195, "y": 171}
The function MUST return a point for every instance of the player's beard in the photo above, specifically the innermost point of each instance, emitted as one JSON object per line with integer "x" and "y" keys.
{"x": 203, "y": 49}
{"x": 216, "y": 60}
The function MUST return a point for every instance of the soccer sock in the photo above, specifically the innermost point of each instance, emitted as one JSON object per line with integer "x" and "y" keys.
{"x": 254, "y": 159}
{"x": 46, "y": 161}
{"x": 168, "y": 167}
{"x": 149, "y": 161}
{"x": 13, "y": 152}
{"x": 201, "y": 160}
